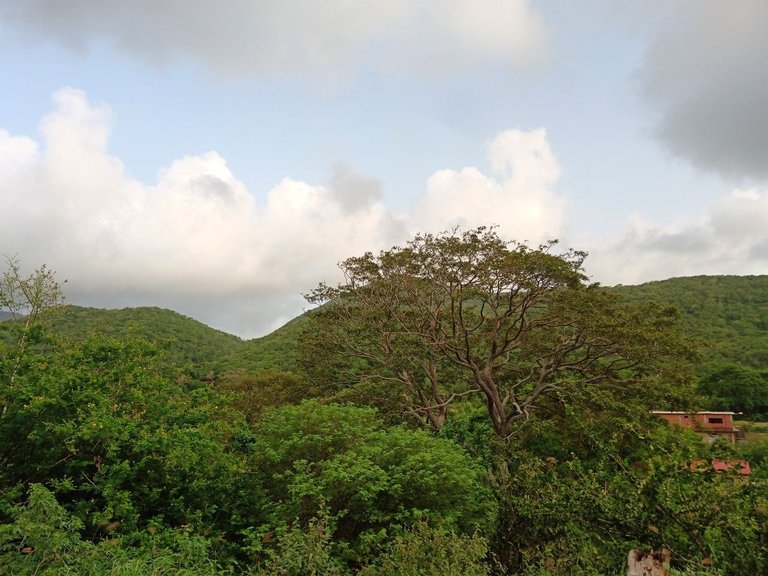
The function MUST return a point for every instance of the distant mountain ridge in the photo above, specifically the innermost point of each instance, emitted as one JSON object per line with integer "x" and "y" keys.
{"x": 188, "y": 343}
{"x": 728, "y": 315}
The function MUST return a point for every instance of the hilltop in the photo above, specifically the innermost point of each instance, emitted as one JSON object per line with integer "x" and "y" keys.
{"x": 726, "y": 315}
{"x": 188, "y": 344}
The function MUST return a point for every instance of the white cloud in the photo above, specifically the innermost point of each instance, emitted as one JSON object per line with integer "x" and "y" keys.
{"x": 520, "y": 199}
{"x": 196, "y": 234}
{"x": 271, "y": 36}
{"x": 729, "y": 237}
{"x": 198, "y": 241}
{"x": 16, "y": 152}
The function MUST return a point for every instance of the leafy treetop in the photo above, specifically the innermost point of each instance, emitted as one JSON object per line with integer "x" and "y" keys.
{"x": 469, "y": 313}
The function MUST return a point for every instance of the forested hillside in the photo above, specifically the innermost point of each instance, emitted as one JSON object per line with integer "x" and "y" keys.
{"x": 726, "y": 318}
{"x": 401, "y": 428}
{"x": 276, "y": 351}
{"x": 188, "y": 344}
{"x": 728, "y": 315}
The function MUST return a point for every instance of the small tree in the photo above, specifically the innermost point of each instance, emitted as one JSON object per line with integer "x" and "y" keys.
{"x": 27, "y": 300}
{"x": 469, "y": 313}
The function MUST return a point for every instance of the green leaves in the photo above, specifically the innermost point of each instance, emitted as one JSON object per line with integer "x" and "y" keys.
{"x": 424, "y": 550}
{"x": 100, "y": 421}
{"x": 727, "y": 386}
{"x": 371, "y": 480}
{"x": 463, "y": 313}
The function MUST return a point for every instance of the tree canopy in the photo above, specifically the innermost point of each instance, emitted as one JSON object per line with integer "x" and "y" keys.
{"x": 468, "y": 313}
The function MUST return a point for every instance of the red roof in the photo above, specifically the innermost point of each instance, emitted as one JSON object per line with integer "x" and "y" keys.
{"x": 741, "y": 466}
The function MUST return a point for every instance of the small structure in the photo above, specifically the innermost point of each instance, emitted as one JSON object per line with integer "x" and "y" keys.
{"x": 740, "y": 467}
{"x": 710, "y": 425}
{"x": 648, "y": 563}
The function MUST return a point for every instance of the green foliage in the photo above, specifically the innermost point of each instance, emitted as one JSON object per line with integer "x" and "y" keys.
{"x": 426, "y": 551}
{"x": 464, "y": 313}
{"x": 372, "y": 481}
{"x": 727, "y": 316}
{"x": 276, "y": 351}
{"x": 28, "y": 301}
{"x": 188, "y": 345}
{"x": 25, "y": 299}
{"x": 756, "y": 451}
{"x": 44, "y": 540}
{"x": 468, "y": 426}
{"x": 579, "y": 511}
{"x": 302, "y": 551}
{"x": 733, "y": 387}
{"x": 252, "y": 394}
{"x": 110, "y": 464}
{"x": 42, "y": 530}
{"x": 120, "y": 442}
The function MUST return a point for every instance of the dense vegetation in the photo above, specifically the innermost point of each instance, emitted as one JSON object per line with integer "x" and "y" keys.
{"x": 728, "y": 315}
{"x": 144, "y": 443}
{"x": 189, "y": 345}
{"x": 727, "y": 318}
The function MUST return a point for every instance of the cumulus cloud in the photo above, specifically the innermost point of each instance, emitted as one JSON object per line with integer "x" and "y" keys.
{"x": 354, "y": 191}
{"x": 197, "y": 241}
{"x": 334, "y": 36}
{"x": 196, "y": 235}
{"x": 518, "y": 195}
{"x": 706, "y": 74}
{"x": 729, "y": 237}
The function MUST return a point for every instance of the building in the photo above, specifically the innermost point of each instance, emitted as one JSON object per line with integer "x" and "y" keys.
{"x": 710, "y": 425}
{"x": 740, "y": 467}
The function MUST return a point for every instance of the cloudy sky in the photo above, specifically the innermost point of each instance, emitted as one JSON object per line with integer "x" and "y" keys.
{"x": 220, "y": 158}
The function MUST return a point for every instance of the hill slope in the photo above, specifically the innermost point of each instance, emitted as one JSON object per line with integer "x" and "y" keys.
{"x": 276, "y": 351}
{"x": 727, "y": 314}
{"x": 188, "y": 343}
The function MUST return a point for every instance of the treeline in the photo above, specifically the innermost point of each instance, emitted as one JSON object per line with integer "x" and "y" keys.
{"x": 120, "y": 456}
{"x": 725, "y": 318}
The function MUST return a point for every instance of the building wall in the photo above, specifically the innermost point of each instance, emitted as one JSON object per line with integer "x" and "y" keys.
{"x": 711, "y": 425}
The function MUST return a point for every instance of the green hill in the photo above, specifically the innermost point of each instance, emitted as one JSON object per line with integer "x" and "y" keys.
{"x": 276, "y": 351}
{"x": 728, "y": 315}
{"x": 188, "y": 343}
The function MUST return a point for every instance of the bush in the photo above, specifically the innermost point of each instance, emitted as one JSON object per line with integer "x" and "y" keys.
{"x": 44, "y": 540}
{"x": 373, "y": 481}
{"x": 427, "y": 551}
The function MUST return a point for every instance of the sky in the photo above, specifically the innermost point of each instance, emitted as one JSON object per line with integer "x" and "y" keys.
{"x": 221, "y": 158}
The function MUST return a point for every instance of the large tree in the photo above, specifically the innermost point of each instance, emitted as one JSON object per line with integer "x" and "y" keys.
{"x": 469, "y": 313}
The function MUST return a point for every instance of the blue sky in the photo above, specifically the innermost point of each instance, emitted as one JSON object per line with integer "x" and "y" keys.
{"x": 220, "y": 158}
